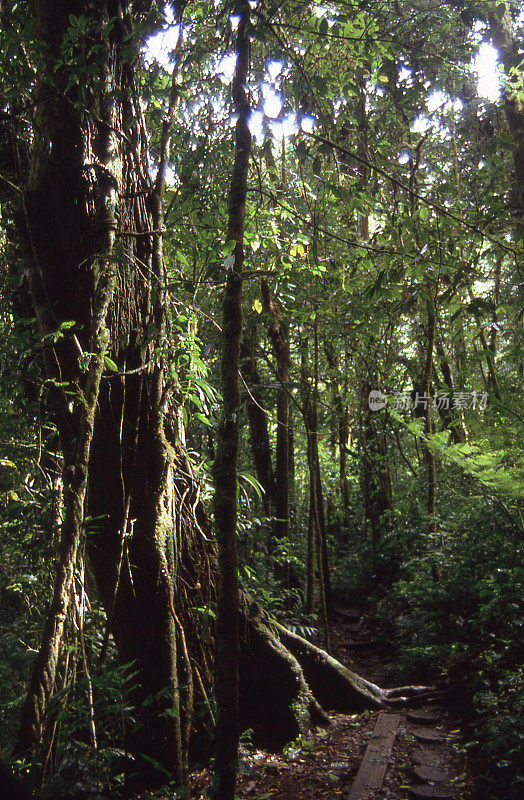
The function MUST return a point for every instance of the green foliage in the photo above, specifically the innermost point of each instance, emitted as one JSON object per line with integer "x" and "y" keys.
{"x": 300, "y": 747}
{"x": 271, "y": 573}
{"x": 457, "y": 614}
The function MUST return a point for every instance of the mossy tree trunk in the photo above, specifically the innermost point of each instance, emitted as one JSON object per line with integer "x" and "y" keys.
{"x": 96, "y": 267}
{"x": 225, "y": 465}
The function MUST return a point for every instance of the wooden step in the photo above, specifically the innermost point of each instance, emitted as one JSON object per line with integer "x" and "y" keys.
{"x": 424, "y": 717}
{"x": 374, "y": 764}
{"x": 432, "y": 792}
{"x": 424, "y": 756}
{"x": 429, "y": 773}
{"x": 427, "y": 735}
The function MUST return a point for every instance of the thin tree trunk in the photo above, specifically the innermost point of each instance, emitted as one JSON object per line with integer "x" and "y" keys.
{"x": 311, "y": 548}
{"x": 488, "y": 355}
{"x": 428, "y": 421}
{"x": 326, "y": 582}
{"x": 325, "y": 578}
{"x": 291, "y": 474}
{"x": 451, "y": 419}
{"x": 278, "y": 334}
{"x": 259, "y": 433}
{"x": 225, "y": 467}
{"x": 317, "y": 543}
{"x": 423, "y": 409}
{"x": 341, "y": 414}
{"x": 375, "y": 475}
{"x": 496, "y": 303}
{"x": 508, "y": 45}
{"x": 375, "y": 479}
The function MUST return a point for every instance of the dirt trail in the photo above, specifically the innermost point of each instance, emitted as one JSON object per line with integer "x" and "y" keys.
{"x": 422, "y": 757}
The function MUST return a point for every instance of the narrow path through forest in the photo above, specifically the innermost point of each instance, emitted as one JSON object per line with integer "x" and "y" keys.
{"x": 412, "y": 753}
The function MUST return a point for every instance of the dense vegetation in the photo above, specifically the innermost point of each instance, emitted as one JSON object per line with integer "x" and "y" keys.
{"x": 260, "y": 309}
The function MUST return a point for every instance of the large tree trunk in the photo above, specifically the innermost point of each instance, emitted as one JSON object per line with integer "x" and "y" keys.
{"x": 89, "y": 186}
{"x": 70, "y": 224}
{"x": 286, "y": 682}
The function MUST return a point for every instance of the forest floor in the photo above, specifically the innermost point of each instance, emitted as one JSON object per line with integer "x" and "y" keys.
{"x": 426, "y": 758}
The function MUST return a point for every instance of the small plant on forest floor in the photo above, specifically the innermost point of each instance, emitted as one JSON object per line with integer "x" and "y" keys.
{"x": 302, "y": 745}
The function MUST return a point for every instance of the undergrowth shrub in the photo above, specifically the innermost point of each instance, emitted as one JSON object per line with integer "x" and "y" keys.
{"x": 456, "y": 616}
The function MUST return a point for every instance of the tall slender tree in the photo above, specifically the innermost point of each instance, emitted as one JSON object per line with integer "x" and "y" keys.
{"x": 225, "y": 466}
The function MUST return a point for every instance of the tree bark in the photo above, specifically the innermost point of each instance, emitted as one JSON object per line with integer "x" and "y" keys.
{"x": 286, "y": 682}
{"x": 52, "y": 183}
{"x": 225, "y": 466}
{"x": 317, "y": 541}
{"x": 278, "y": 334}
{"x": 291, "y": 473}
{"x": 423, "y": 407}
{"x": 87, "y": 229}
{"x": 257, "y": 416}
{"x": 375, "y": 479}
{"x": 341, "y": 414}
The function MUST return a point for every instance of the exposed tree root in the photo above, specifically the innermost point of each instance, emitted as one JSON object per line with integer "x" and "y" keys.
{"x": 276, "y": 701}
{"x": 287, "y": 682}
{"x": 338, "y": 688}
{"x": 410, "y": 694}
